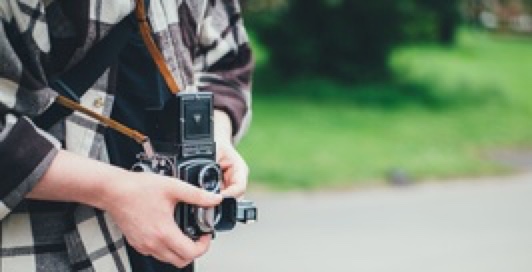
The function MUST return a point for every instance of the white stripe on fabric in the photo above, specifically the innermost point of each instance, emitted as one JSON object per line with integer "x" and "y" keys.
{"x": 209, "y": 35}
{"x": 4, "y": 210}
{"x": 5, "y": 11}
{"x": 200, "y": 20}
{"x": 16, "y": 232}
{"x": 161, "y": 25}
{"x": 157, "y": 16}
{"x": 10, "y": 122}
{"x": 19, "y": 263}
{"x": 40, "y": 35}
{"x": 122, "y": 253}
{"x": 8, "y": 92}
{"x": 170, "y": 8}
{"x": 242, "y": 35}
{"x": 110, "y": 12}
{"x": 107, "y": 263}
{"x": 219, "y": 52}
{"x": 22, "y": 18}
{"x": 114, "y": 231}
{"x": 79, "y": 137}
{"x": 91, "y": 235}
{"x": 108, "y": 260}
{"x": 94, "y": 242}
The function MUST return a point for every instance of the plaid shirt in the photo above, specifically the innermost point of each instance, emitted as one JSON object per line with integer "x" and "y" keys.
{"x": 204, "y": 44}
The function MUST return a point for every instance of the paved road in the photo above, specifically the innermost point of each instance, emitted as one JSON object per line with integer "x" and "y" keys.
{"x": 471, "y": 226}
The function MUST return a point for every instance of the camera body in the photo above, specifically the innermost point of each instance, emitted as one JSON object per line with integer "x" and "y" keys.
{"x": 185, "y": 149}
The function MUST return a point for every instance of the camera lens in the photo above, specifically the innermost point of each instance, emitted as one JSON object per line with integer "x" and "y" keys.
{"x": 209, "y": 178}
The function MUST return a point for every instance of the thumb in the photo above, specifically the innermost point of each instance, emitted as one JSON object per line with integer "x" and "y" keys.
{"x": 190, "y": 194}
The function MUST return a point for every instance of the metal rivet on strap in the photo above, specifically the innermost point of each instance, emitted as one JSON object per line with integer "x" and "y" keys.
{"x": 98, "y": 102}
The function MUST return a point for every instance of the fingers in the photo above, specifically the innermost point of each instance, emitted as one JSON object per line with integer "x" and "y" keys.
{"x": 168, "y": 256}
{"x": 187, "y": 249}
{"x": 235, "y": 179}
{"x": 183, "y": 258}
{"x": 234, "y": 190}
{"x": 185, "y": 192}
{"x": 235, "y": 171}
{"x": 236, "y": 182}
{"x": 170, "y": 245}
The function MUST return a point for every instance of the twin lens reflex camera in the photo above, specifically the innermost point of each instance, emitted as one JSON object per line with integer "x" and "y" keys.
{"x": 184, "y": 148}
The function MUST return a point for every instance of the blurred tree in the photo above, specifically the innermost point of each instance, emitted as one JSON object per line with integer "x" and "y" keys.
{"x": 335, "y": 38}
{"x": 346, "y": 39}
{"x": 447, "y": 18}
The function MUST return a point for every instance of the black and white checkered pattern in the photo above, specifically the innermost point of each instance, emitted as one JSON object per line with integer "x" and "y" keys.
{"x": 204, "y": 44}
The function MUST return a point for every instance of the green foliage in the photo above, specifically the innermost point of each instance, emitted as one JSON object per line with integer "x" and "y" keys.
{"x": 447, "y": 110}
{"x": 341, "y": 39}
{"x": 447, "y": 18}
{"x": 347, "y": 40}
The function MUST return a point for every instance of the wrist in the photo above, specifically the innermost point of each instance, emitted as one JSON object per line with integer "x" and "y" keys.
{"x": 107, "y": 192}
{"x": 222, "y": 128}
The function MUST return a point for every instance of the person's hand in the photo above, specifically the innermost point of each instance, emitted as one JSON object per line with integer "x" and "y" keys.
{"x": 235, "y": 170}
{"x": 142, "y": 205}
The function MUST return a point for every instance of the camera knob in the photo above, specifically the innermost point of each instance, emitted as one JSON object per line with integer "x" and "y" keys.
{"x": 210, "y": 178}
{"x": 141, "y": 167}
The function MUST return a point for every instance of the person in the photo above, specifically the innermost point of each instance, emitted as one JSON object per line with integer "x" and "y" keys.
{"x": 63, "y": 207}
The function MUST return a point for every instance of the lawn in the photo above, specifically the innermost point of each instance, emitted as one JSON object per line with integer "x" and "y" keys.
{"x": 444, "y": 113}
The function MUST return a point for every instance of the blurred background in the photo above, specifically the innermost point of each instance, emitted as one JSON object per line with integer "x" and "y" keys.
{"x": 349, "y": 92}
{"x": 388, "y": 135}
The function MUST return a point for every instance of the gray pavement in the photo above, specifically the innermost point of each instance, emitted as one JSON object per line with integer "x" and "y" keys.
{"x": 470, "y": 225}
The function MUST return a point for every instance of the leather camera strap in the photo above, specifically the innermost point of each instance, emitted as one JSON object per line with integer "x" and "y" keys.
{"x": 131, "y": 133}
{"x": 161, "y": 65}
{"x": 157, "y": 56}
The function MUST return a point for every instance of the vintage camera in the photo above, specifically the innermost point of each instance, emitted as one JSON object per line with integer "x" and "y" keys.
{"x": 184, "y": 147}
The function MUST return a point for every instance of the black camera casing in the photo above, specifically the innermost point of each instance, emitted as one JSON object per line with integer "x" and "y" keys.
{"x": 185, "y": 148}
{"x": 182, "y": 134}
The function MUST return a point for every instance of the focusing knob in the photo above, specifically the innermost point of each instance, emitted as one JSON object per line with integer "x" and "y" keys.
{"x": 163, "y": 166}
{"x": 141, "y": 167}
{"x": 158, "y": 164}
{"x": 210, "y": 178}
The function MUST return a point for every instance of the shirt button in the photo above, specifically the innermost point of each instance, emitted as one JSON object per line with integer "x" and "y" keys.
{"x": 98, "y": 102}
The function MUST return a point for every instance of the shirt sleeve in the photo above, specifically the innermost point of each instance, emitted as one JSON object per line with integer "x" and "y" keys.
{"x": 25, "y": 151}
{"x": 224, "y": 62}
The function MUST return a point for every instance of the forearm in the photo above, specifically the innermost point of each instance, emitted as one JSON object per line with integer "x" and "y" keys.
{"x": 235, "y": 169}
{"x": 141, "y": 204}
{"x": 72, "y": 178}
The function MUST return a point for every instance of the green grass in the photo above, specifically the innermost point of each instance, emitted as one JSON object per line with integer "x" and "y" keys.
{"x": 446, "y": 108}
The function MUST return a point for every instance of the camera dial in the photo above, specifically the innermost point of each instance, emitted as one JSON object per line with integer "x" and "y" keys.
{"x": 185, "y": 149}
{"x": 159, "y": 165}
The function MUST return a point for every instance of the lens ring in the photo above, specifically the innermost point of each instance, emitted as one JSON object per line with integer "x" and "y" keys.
{"x": 203, "y": 174}
{"x": 208, "y": 218}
